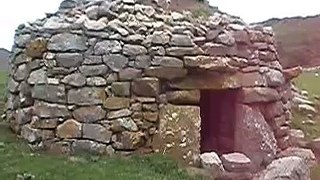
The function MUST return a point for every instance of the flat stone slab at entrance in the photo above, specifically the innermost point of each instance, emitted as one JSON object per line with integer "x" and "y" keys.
{"x": 236, "y": 162}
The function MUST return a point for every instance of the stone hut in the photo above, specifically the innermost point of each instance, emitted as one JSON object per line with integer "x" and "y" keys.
{"x": 122, "y": 77}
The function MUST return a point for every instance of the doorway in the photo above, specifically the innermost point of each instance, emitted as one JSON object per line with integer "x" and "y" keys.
{"x": 218, "y": 116}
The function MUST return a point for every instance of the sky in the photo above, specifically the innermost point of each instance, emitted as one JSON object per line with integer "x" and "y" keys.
{"x": 15, "y": 12}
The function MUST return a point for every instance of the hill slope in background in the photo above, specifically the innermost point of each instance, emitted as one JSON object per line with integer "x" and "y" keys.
{"x": 298, "y": 40}
{"x": 4, "y": 59}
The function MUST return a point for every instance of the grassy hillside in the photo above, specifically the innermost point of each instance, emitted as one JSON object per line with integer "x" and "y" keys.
{"x": 298, "y": 40}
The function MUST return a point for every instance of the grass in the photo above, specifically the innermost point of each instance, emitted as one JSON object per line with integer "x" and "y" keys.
{"x": 309, "y": 82}
{"x": 18, "y": 160}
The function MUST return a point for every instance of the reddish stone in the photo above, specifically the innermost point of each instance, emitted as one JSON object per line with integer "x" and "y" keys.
{"x": 292, "y": 73}
{"x": 168, "y": 73}
{"x": 284, "y": 142}
{"x": 241, "y": 37}
{"x": 183, "y": 97}
{"x": 147, "y": 87}
{"x": 259, "y": 94}
{"x": 208, "y": 81}
{"x": 253, "y": 136}
{"x": 272, "y": 110}
{"x": 281, "y": 132}
{"x": 305, "y": 154}
{"x": 252, "y": 79}
{"x": 250, "y": 69}
{"x": 267, "y": 56}
{"x": 221, "y": 50}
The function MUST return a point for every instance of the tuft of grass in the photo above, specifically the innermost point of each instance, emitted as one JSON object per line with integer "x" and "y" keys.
{"x": 201, "y": 12}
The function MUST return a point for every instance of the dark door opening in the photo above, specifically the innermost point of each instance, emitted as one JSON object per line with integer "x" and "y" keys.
{"x": 218, "y": 116}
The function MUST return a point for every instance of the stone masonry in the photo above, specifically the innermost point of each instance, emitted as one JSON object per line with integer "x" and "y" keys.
{"x": 119, "y": 77}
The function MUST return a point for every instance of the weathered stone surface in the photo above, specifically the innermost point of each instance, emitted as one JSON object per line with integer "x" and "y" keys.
{"x": 96, "y": 132}
{"x": 167, "y": 73}
{"x": 20, "y": 59}
{"x": 253, "y": 136}
{"x": 160, "y": 38}
{"x": 149, "y": 87}
{"x": 125, "y": 123}
{"x": 89, "y": 114}
{"x": 121, "y": 88}
{"x": 69, "y": 59}
{"x": 272, "y": 110}
{"x": 259, "y": 94}
{"x": 208, "y": 81}
{"x": 114, "y": 103}
{"x": 69, "y": 129}
{"x": 129, "y": 140}
{"x": 21, "y": 73}
{"x": 67, "y": 42}
{"x": 212, "y": 34}
{"x": 179, "y": 132}
{"x": 183, "y": 51}
{"x": 134, "y": 50}
{"x": 226, "y": 39}
{"x": 49, "y": 93}
{"x": 86, "y": 96}
{"x": 59, "y": 71}
{"x": 38, "y": 123}
{"x": 106, "y": 47}
{"x": 211, "y": 161}
{"x": 129, "y": 74}
{"x": 153, "y": 107}
{"x": 94, "y": 70}
{"x": 286, "y": 168}
{"x": 87, "y": 146}
{"x": 157, "y": 51}
{"x": 23, "y": 116}
{"x": 236, "y": 162}
{"x": 30, "y": 134}
{"x": 151, "y": 116}
{"x": 306, "y": 154}
{"x": 46, "y": 110}
{"x": 167, "y": 61}
{"x": 142, "y": 61}
{"x": 76, "y": 80}
{"x": 119, "y": 114}
{"x": 113, "y": 77}
{"x": 115, "y": 62}
{"x": 96, "y": 81}
{"x": 12, "y": 85}
{"x": 38, "y": 77}
{"x": 181, "y": 40}
{"x": 275, "y": 78}
{"x": 253, "y": 79}
{"x": 92, "y": 60}
{"x": 184, "y": 97}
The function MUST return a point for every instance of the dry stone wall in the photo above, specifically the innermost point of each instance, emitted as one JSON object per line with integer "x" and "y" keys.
{"x": 117, "y": 76}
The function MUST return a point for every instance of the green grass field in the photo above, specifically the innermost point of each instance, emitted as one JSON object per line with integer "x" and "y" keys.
{"x": 17, "y": 160}
{"x": 308, "y": 81}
